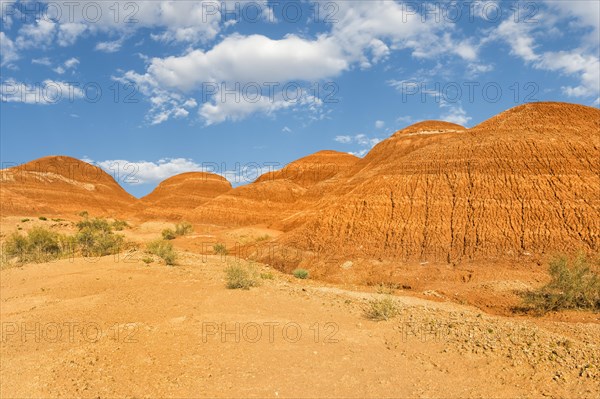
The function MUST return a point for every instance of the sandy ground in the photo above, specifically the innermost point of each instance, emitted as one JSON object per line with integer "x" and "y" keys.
{"x": 116, "y": 327}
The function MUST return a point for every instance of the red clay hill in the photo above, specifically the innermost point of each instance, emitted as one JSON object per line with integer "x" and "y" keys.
{"x": 59, "y": 185}
{"x": 275, "y": 195}
{"x": 525, "y": 181}
{"x": 176, "y": 196}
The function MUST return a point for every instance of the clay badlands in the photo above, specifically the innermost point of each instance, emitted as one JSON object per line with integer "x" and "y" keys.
{"x": 452, "y": 225}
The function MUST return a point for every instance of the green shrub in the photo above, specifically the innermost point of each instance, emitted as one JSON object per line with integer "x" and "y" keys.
{"x": 147, "y": 260}
{"x": 84, "y": 214}
{"x": 163, "y": 250}
{"x": 184, "y": 228}
{"x": 220, "y": 249}
{"x": 119, "y": 225}
{"x": 24, "y": 220}
{"x": 263, "y": 238}
{"x": 95, "y": 238}
{"x": 267, "y": 276}
{"x": 39, "y": 245}
{"x": 574, "y": 284}
{"x": 168, "y": 234}
{"x": 301, "y": 273}
{"x": 381, "y": 309}
{"x": 43, "y": 218}
{"x": 240, "y": 277}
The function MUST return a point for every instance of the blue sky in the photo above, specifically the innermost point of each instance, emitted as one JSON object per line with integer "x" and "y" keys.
{"x": 151, "y": 89}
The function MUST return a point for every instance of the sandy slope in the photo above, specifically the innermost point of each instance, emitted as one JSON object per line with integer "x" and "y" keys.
{"x": 163, "y": 348}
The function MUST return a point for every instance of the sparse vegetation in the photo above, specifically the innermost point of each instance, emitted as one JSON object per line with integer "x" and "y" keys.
{"x": 220, "y": 249}
{"x": 162, "y": 249}
{"x": 39, "y": 245}
{"x": 84, "y": 214}
{"x": 168, "y": 234}
{"x": 381, "y": 309}
{"x": 383, "y": 288}
{"x": 263, "y": 238}
{"x": 574, "y": 284}
{"x": 96, "y": 238}
{"x": 241, "y": 277}
{"x": 24, "y": 220}
{"x": 44, "y": 218}
{"x": 119, "y": 225}
{"x": 147, "y": 260}
{"x": 183, "y": 228}
{"x": 267, "y": 276}
{"x": 301, "y": 273}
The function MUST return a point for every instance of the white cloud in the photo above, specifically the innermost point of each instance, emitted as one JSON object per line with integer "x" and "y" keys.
{"x": 109, "y": 47}
{"x": 286, "y": 129}
{"x": 254, "y": 58}
{"x": 587, "y": 14}
{"x": 148, "y": 172}
{"x": 39, "y": 34}
{"x": 577, "y": 63}
{"x": 47, "y": 92}
{"x": 455, "y": 114}
{"x": 8, "y": 50}
{"x": 42, "y": 61}
{"x": 69, "y": 33}
{"x": 343, "y": 139}
{"x": 71, "y": 63}
{"x": 379, "y": 124}
{"x": 143, "y": 172}
{"x": 365, "y": 34}
{"x": 361, "y": 140}
{"x": 220, "y": 111}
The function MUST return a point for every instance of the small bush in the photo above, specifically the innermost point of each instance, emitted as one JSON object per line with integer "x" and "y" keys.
{"x": 240, "y": 277}
{"x": 39, "y": 245}
{"x": 84, "y": 214}
{"x": 381, "y": 309}
{"x": 163, "y": 250}
{"x": 168, "y": 234}
{"x": 220, "y": 249}
{"x": 267, "y": 276}
{"x": 263, "y": 238}
{"x": 301, "y": 273}
{"x": 147, "y": 260}
{"x": 119, "y": 225}
{"x": 573, "y": 285}
{"x": 184, "y": 228}
{"x": 95, "y": 238}
{"x": 383, "y": 288}
{"x": 43, "y": 218}
{"x": 24, "y": 220}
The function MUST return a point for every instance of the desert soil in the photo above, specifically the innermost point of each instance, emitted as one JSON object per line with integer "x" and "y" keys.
{"x": 116, "y": 327}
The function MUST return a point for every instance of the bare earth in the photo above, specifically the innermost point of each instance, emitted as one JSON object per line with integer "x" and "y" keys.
{"x": 115, "y": 327}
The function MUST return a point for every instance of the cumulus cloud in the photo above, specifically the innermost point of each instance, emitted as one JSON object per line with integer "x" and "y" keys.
{"x": 364, "y": 34}
{"x": 109, "y": 47}
{"x": 379, "y": 124}
{"x": 8, "y": 50}
{"x": 150, "y": 172}
{"x": 578, "y": 63}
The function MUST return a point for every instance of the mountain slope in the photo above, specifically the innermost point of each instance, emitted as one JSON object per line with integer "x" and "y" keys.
{"x": 524, "y": 181}
{"x": 61, "y": 185}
